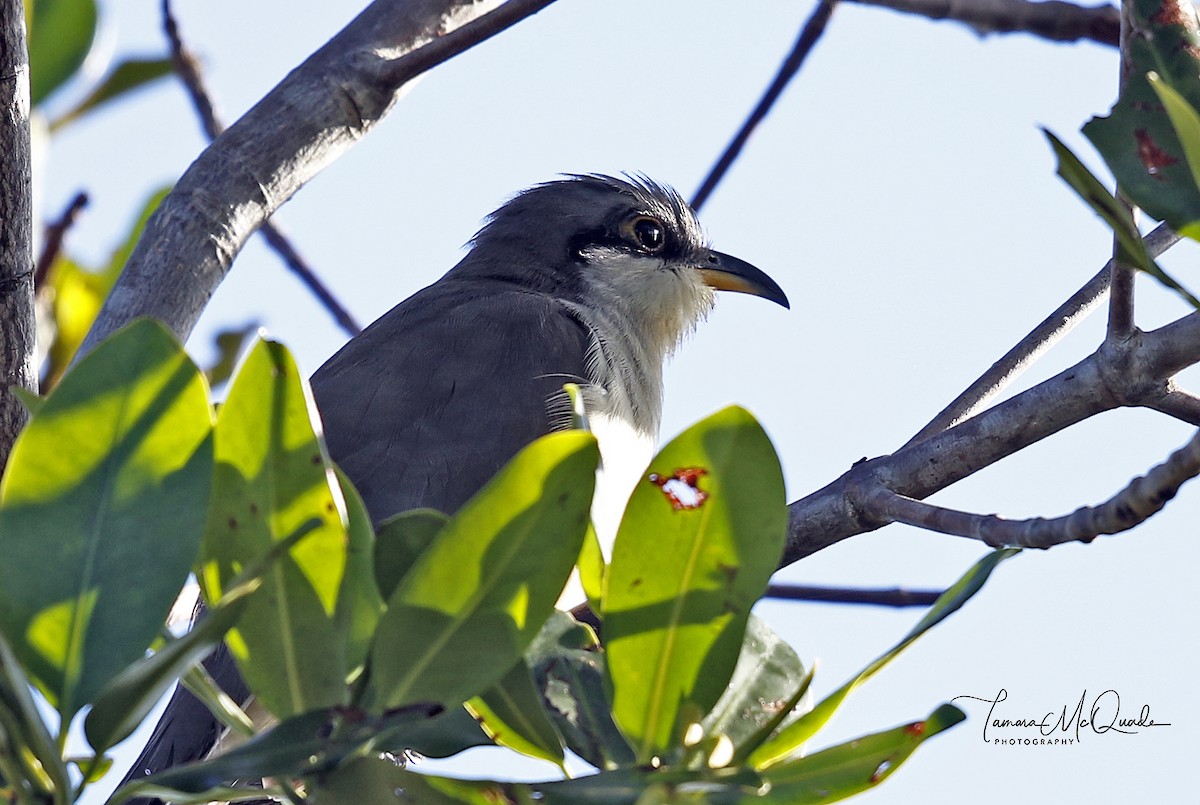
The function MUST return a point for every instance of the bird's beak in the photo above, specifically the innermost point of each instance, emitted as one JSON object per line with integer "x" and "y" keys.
{"x": 727, "y": 273}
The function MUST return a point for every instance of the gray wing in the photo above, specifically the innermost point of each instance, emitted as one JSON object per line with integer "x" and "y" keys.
{"x": 420, "y": 409}
{"x": 430, "y": 401}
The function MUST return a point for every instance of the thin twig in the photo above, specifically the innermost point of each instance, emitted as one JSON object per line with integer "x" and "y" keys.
{"x": 893, "y": 597}
{"x": 1053, "y": 20}
{"x": 809, "y": 34}
{"x": 1120, "y": 295}
{"x": 187, "y": 67}
{"x": 55, "y": 232}
{"x": 1036, "y": 343}
{"x": 1137, "y": 502}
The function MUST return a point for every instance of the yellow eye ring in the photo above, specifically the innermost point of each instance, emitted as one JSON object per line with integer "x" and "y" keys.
{"x": 645, "y": 233}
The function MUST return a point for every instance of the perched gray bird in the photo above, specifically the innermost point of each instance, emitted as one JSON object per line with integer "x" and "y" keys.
{"x": 590, "y": 280}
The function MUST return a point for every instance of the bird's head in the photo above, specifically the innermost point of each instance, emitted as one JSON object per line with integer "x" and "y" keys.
{"x": 598, "y": 240}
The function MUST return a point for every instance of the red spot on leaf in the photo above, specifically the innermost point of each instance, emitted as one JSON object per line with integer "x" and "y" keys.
{"x": 917, "y": 728}
{"x": 1151, "y": 155}
{"x": 682, "y": 487}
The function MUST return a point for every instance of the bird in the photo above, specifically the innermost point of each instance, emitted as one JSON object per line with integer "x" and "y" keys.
{"x": 588, "y": 279}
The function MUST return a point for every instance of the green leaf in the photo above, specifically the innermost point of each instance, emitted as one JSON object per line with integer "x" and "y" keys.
{"x": 476, "y": 597}
{"x": 359, "y": 602}
{"x": 31, "y": 400}
{"x": 701, "y": 536}
{"x": 272, "y": 476}
{"x": 128, "y": 699}
{"x": 59, "y": 41}
{"x": 109, "y": 481}
{"x": 22, "y": 730}
{"x": 1137, "y": 139}
{"x": 762, "y": 692}
{"x": 304, "y": 744}
{"x": 444, "y": 735}
{"x": 1186, "y": 122}
{"x": 228, "y": 343}
{"x": 1131, "y": 248}
{"x": 847, "y": 769}
{"x": 78, "y": 293}
{"x": 791, "y": 738}
{"x": 127, "y": 76}
{"x": 400, "y": 541}
{"x": 569, "y": 672}
{"x": 512, "y": 715}
{"x": 371, "y": 781}
{"x": 592, "y": 569}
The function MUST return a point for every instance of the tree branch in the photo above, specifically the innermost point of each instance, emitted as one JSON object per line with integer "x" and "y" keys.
{"x": 1034, "y": 345}
{"x": 315, "y": 114}
{"x": 813, "y": 27}
{"x": 17, "y": 327}
{"x": 187, "y": 67}
{"x": 1057, "y": 21}
{"x": 893, "y": 597}
{"x": 1182, "y": 405}
{"x": 53, "y": 239}
{"x": 1133, "y": 372}
{"x": 1137, "y": 502}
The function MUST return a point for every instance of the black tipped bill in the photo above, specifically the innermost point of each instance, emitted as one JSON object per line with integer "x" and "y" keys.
{"x": 727, "y": 273}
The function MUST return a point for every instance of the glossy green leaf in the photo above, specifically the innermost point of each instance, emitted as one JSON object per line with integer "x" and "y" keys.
{"x": 35, "y": 757}
{"x": 1137, "y": 139}
{"x": 201, "y": 684}
{"x": 1131, "y": 249}
{"x": 592, "y": 568}
{"x": 400, "y": 541}
{"x": 762, "y": 691}
{"x": 309, "y": 743}
{"x": 701, "y": 536}
{"x": 128, "y": 75}
{"x": 78, "y": 292}
{"x": 59, "y": 40}
{"x": 31, "y": 400}
{"x": 228, "y": 344}
{"x": 372, "y": 781}
{"x": 447, "y": 734}
{"x": 476, "y": 597}
{"x": 1186, "y": 122}
{"x": 512, "y": 715}
{"x": 569, "y": 672}
{"x": 792, "y": 738}
{"x": 272, "y": 476}
{"x": 128, "y": 699}
{"x": 111, "y": 478}
{"x": 359, "y": 602}
{"x": 847, "y": 769}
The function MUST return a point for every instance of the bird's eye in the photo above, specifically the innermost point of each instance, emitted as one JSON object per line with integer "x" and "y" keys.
{"x": 645, "y": 232}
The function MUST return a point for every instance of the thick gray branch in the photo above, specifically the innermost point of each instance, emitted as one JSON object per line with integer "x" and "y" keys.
{"x": 1135, "y": 371}
{"x": 315, "y": 114}
{"x": 17, "y": 331}
{"x": 1061, "y": 22}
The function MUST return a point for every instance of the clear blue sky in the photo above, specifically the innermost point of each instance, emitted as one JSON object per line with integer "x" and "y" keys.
{"x": 902, "y": 195}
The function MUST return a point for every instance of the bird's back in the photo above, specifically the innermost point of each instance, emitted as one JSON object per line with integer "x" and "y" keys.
{"x": 432, "y": 399}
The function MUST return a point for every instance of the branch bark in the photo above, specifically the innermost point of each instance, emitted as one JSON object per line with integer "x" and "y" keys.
{"x": 187, "y": 68}
{"x": 1136, "y": 371}
{"x": 17, "y": 329}
{"x": 315, "y": 114}
{"x": 1037, "y": 343}
{"x": 1140, "y": 500}
{"x": 1053, "y": 20}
